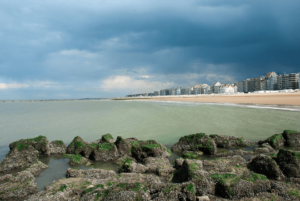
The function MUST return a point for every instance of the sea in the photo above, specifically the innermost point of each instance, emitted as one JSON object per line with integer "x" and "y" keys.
{"x": 164, "y": 121}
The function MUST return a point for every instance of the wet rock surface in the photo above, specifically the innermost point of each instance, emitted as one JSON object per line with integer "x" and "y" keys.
{"x": 145, "y": 172}
{"x": 57, "y": 147}
{"x": 19, "y": 157}
{"x": 19, "y": 187}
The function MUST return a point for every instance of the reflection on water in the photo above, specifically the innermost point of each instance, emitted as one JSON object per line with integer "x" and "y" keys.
{"x": 57, "y": 168}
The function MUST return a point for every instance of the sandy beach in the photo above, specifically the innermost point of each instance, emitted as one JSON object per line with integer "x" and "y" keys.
{"x": 266, "y": 99}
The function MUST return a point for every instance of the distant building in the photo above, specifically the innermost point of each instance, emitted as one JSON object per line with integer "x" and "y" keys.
{"x": 156, "y": 93}
{"x": 227, "y": 88}
{"x": 205, "y": 89}
{"x": 283, "y": 82}
{"x": 294, "y": 81}
{"x": 178, "y": 91}
{"x": 271, "y": 81}
{"x": 172, "y": 91}
{"x": 197, "y": 89}
{"x": 165, "y": 92}
{"x": 216, "y": 87}
{"x": 240, "y": 86}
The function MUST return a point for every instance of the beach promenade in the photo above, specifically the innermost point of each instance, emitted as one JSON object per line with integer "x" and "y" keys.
{"x": 251, "y": 98}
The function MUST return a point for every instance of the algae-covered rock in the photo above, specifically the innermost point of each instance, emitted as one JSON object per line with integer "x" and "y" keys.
{"x": 267, "y": 166}
{"x": 236, "y": 187}
{"x": 79, "y": 146}
{"x": 57, "y": 147}
{"x": 160, "y": 166}
{"x": 106, "y": 152}
{"x": 19, "y": 187}
{"x": 289, "y": 162}
{"x": 149, "y": 148}
{"x": 21, "y": 156}
{"x": 187, "y": 171}
{"x": 76, "y": 159}
{"x": 276, "y": 141}
{"x": 128, "y": 165}
{"x": 91, "y": 173}
{"x": 292, "y": 138}
{"x": 264, "y": 148}
{"x": 124, "y": 145}
{"x": 196, "y": 142}
{"x": 225, "y": 141}
{"x": 40, "y": 143}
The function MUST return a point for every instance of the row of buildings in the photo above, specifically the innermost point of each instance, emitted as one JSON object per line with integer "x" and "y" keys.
{"x": 270, "y": 82}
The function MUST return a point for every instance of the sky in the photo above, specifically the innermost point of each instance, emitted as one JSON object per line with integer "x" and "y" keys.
{"x": 64, "y": 49}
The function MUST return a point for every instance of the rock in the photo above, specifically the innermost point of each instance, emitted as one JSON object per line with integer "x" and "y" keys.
{"x": 160, "y": 166}
{"x": 91, "y": 173}
{"x": 264, "y": 148}
{"x": 187, "y": 171}
{"x": 267, "y": 166}
{"x": 75, "y": 159}
{"x": 203, "y": 198}
{"x": 120, "y": 161}
{"x": 106, "y": 152}
{"x": 79, "y": 146}
{"x": 87, "y": 164}
{"x": 225, "y": 141}
{"x": 149, "y": 148}
{"x": 236, "y": 187}
{"x": 19, "y": 187}
{"x": 196, "y": 142}
{"x": 107, "y": 139}
{"x": 19, "y": 157}
{"x": 37, "y": 168}
{"x": 40, "y": 143}
{"x": 57, "y": 147}
{"x": 124, "y": 145}
{"x": 292, "y": 138}
{"x": 231, "y": 153}
{"x": 128, "y": 165}
{"x": 289, "y": 163}
{"x": 276, "y": 141}
{"x": 178, "y": 163}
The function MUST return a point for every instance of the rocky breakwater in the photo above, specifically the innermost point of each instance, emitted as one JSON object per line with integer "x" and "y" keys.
{"x": 145, "y": 172}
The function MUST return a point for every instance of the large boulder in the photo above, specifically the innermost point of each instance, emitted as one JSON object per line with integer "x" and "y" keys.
{"x": 276, "y": 141}
{"x": 264, "y": 148}
{"x": 19, "y": 187}
{"x": 240, "y": 186}
{"x": 292, "y": 138}
{"x": 267, "y": 166}
{"x": 160, "y": 166}
{"x": 40, "y": 143}
{"x": 19, "y": 157}
{"x": 79, "y": 146}
{"x": 187, "y": 171}
{"x": 106, "y": 152}
{"x": 57, "y": 147}
{"x": 149, "y": 148}
{"x": 289, "y": 162}
{"x": 76, "y": 159}
{"x": 225, "y": 141}
{"x": 129, "y": 165}
{"x": 124, "y": 145}
{"x": 196, "y": 142}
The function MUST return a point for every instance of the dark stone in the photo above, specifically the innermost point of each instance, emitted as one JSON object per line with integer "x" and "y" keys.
{"x": 292, "y": 138}
{"x": 267, "y": 166}
{"x": 79, "y": 146}
{"x": 276, "y": 141}
{"x": 289, "y": 163}
{"x": 196, "y": 142}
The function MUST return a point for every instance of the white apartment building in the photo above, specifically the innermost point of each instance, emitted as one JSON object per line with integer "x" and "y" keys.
{"x": 205, "y": 89}
{"x": 197, "y": 89}
{"x": 216, "y": 87}
{"x": 228, "y": 88}
{"x": 172, "y": 91}
{"x": 271, "y": 81}
{"x": 178, "y": 91}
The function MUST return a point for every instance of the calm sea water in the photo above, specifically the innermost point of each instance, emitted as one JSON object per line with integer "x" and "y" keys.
{"x": 165, "y": 122}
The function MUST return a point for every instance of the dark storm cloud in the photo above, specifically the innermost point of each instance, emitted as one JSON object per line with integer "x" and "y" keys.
{"x": 82, "y": 44}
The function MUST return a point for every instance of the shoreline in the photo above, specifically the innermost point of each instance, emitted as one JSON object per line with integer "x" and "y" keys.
{"x": 280, "y": 99}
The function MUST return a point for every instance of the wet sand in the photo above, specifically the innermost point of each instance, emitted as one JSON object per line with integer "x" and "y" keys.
{"x": 264, "y": 99}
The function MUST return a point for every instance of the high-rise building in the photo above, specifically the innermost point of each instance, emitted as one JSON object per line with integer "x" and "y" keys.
{"x": 240, "y": 86}
{"x": 178, "y": 91}
{"x": 283, "y": 82}
{"x": 271, "y": 81}
{"x": 294, "y": 81}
